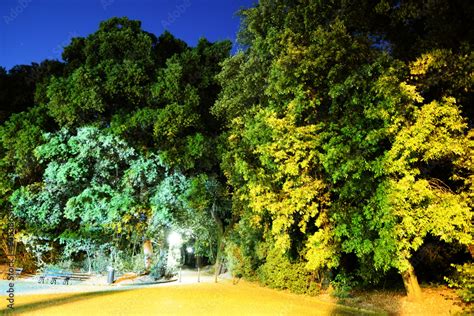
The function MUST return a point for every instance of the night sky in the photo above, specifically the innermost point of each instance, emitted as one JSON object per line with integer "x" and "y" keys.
{"x": 34, "y": 30}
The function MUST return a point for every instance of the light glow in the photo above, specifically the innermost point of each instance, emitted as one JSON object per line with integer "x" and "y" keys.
{"x": 174, "y": 239}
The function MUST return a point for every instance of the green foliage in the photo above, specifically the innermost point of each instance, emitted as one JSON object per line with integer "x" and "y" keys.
{"x": 239, "y": 264}
{"x": 97, "y": 190}
{"x": 278, "y": 272}
{"x": 342, "y": 129}
{"x": 19, "y": 136}
{"x": 112, "y": 70}
{"x": 24, "y": 85}
{"x": 87, "y": 185}
{"x": 333, "y": 145}
{"x": 80, "y": 189}
{"x": 159, "y": 268}
{"x": 342, "y": 286}
{"x": 124, "y": 262}
{"x": 177, "y": 121}
{"x": 463, "y": 280}
{"x": 39, "y": 246}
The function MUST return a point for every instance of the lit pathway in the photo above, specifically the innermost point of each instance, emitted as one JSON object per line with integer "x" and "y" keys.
{"x": 185, "y": 298}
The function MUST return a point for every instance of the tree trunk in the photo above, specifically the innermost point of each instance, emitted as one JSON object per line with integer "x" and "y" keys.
{"x": 147, "y": 253}
{"x": 5, "y": 247}
{"x": 218, "y": 265}
{"x": 411, "y": 283}
{"x": 89, "y": 262}
{"x": 471, "y": 250}
{"x": 220, "y": 245}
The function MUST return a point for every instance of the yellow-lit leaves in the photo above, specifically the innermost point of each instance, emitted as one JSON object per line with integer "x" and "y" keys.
{"x": 286, "y": 185}
{"x": 435, "y": 133}
{"x": 423, "y": 63}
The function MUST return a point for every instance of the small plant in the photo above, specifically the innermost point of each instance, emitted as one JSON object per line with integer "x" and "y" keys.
{"x": 158, "y": 270}
{"x": 342, "y": 285}
{"x": 239, "y": 264}
{"x": 100, "y": 261}
{"x": 59, "y": 266}
{"x": 125, "y": 262}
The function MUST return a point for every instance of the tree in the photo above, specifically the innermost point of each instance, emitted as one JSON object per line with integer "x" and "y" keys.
{"x": 23, "y": 85}
{"x": 109, "y": 71}
{"x": 155, "y": 93}
{"x": 310, "y": 133}
{"x": 178, "y": 123}
{"x": 19, "y": 135}
{"x": 78, "y": 194}
{"x": 97, "y": 190}
{"x": 420, "y": 202}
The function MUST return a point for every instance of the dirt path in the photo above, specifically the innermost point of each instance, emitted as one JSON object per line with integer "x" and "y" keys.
{"x": 30, "y": 286}
{"x": 189, "y": 297}
{"x": 185, "y": 298}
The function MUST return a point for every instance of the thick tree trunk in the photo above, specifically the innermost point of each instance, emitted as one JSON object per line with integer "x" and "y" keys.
{"x": 148, "y": 253}
{"x": 411, "y": 283}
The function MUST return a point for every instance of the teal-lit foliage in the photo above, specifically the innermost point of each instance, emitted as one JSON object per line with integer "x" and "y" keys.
{"x": 79, "y": 194}
{"x": 96, "y": 189}
{"x": 86, "y": 184}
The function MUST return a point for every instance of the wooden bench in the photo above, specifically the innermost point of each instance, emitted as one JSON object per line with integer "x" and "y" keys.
{"x": 66, "y": 276}
{"x": 5, "y": 273}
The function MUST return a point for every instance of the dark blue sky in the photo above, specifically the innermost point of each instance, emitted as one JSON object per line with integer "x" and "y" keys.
{"x": 33, "y": 30}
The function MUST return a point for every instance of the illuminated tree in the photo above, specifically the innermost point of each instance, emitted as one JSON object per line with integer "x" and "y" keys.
{"x": 333, "y": 145}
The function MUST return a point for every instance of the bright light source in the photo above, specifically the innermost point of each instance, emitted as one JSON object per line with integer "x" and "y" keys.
{"x": 174, "y": 239}
{"x": 189, "y": 249}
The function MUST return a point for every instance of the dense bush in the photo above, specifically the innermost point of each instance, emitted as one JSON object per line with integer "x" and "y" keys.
{"x": 342, "y": 284}
{"x": 278, "y": 272}
{"x": 239, "y": 264}
{"x": 126, "y": 262}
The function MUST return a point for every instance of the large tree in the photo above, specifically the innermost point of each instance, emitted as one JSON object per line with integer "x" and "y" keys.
{"x": 24, "y": 85}
{"x": 108, "y": 71}
{"x": 330, "y": 138}
{"x": 19, "y": 135}
{"x": 97, "y": 190}
{"x": 155, "y": 94}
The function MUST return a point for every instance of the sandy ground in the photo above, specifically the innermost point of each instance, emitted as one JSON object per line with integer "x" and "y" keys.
{"x": 436, "y": 300}
{"x": 187, "y": 297}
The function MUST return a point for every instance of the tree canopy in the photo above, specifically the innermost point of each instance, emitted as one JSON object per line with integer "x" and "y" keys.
{"x": 340, "y": 142}
{"x": 332, "y": 147}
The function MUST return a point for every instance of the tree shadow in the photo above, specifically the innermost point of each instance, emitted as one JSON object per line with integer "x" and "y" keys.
{"x": 373, "y": 302}
{"x": 340, "y": 311}
{"x": 48, "y": 302}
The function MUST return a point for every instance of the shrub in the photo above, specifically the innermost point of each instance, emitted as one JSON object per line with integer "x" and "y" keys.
{"x": 239, "y": 264}
{"x": 158, "y": 270}
{"x": 278, "y": 272}
{"x": 342, "y": 285}
{"x": 125, "y": 262}
{"x": 100, "y": 261}
{"x": 463, "y": 280}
